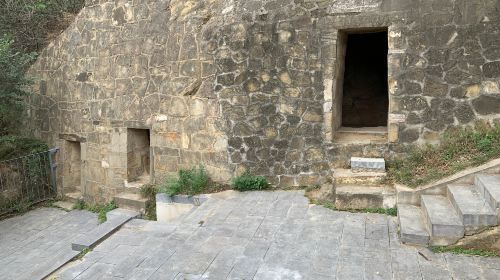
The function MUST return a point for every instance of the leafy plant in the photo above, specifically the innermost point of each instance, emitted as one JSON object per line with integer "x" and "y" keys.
{"x": 33, "y": 22}
{"x": 13, "y": 84}
{"x": 248, "y": 182}
{"x": 189, "y": 181}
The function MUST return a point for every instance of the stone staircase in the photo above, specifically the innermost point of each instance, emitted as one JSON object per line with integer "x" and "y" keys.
{"x": 362, "y": 186}
{"x": 131, "y": 198}
{"x": 443, "y": 219}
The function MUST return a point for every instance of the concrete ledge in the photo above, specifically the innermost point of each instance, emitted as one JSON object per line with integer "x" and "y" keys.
{"x": 407, "y": 195}
{"x": 171, "y": 208}
{"x": 359, "y": 164}
{"x": 360, "y": 197}
{"x": 412, "y": 226}
{"x": 115, "y": 219}
{"x": 347, "y": 176}
{"x": 184, "y": 199}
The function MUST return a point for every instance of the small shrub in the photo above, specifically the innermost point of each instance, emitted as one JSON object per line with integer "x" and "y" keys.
{"x": 14, "y": 84}
{"x": 17, "y": 146}
{"x": 248, "y": 182}
{"x": 189, "y": 181}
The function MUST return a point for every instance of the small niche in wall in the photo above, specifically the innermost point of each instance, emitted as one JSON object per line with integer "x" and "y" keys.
{"x": 138, "y": 155}
{"x": 72, "y": 166}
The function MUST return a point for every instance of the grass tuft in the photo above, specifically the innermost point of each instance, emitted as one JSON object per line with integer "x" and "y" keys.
{"x": 100, "y": 209}
{"x": 330, "y": 205}
{"x": 384, "y": 211}
{"x": 460, "y": 148}
{"x": 324, "y": 203}
{"x": 83, "y": 253}
{"x": 465, "y": 251}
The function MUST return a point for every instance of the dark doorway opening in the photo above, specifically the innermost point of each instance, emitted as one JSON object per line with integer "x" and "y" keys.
{"x": 365, "y": 101}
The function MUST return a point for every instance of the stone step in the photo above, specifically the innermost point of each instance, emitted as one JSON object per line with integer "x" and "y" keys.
{"x": 360, "y": 164}
{"x": 411, "y": 225}
{"x": 475, "y": 212}
{"x": 115, "y": 219}
{"x": 135, "y": 186}
{"x": 66, "y": 205}
{"x": 346, "y": 176}
{"x": 489, "y": 186}
{"x": 73, "y": 197}
{"x": 348, "y": 196}
{"x": 442, "y": 221}
{"x": 340, "y": 153}
{"x": 131, "y": 201}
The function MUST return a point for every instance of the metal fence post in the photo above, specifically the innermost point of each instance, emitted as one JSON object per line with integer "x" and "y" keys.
{"x": 53, "y": 166}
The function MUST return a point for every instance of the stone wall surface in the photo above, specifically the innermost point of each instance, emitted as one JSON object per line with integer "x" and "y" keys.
{"x": 251, "y": 84}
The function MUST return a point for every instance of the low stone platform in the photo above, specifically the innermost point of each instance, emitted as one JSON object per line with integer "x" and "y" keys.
{"x": 269, "y": 235}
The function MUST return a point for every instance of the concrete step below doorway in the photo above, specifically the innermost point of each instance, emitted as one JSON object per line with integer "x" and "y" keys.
{"x": 364, "y": 196}
{"x": 73, "y": 196}
{"x": 131, "y": 201}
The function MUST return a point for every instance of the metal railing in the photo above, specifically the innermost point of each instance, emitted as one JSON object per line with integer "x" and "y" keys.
{"x": 27, "y": 180}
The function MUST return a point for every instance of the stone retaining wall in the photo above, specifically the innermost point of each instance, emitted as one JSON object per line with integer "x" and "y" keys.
{"x": 255, "y": 84}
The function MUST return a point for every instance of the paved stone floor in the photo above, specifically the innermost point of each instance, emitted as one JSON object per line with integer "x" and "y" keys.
{"x": 270, "y": 235}
{"x": 36, "y": 243}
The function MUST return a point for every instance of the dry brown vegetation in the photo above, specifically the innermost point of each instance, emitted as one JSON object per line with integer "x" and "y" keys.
{"x": 459, "y": 149}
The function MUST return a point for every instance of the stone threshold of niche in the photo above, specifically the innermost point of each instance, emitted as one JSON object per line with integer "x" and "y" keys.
{"x": 361, "y": 135}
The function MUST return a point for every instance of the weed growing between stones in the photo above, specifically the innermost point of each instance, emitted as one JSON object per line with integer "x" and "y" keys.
{"x": 100, "y": 209}
{"x": 149, "y": 191}
{"x": 459, "y": 149}
{"x": 83, "y": 253}
{"x": 330, "y": 205}
{"x": 384, "y": 211}
{"x": 464, "y": 251}
{"x": 189, "y": 181}
{"x": 324, "y": 203}
{"x": 248, "y": 182}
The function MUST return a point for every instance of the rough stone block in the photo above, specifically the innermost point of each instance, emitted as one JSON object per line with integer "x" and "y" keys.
{"x": 115, "y": 219}
{"x": 412, "y": 226}
{"x": 443, "y": 223}
{"x": 475, "y": 212}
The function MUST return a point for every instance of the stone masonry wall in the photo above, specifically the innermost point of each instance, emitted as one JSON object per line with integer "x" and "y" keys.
{"x": 253, "y": 84}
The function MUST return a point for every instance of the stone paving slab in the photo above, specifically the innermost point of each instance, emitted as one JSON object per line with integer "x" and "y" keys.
{"x": 115, "y": 218}
{"x": 270, "y": 235}
{"x": 35, "y": 244}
